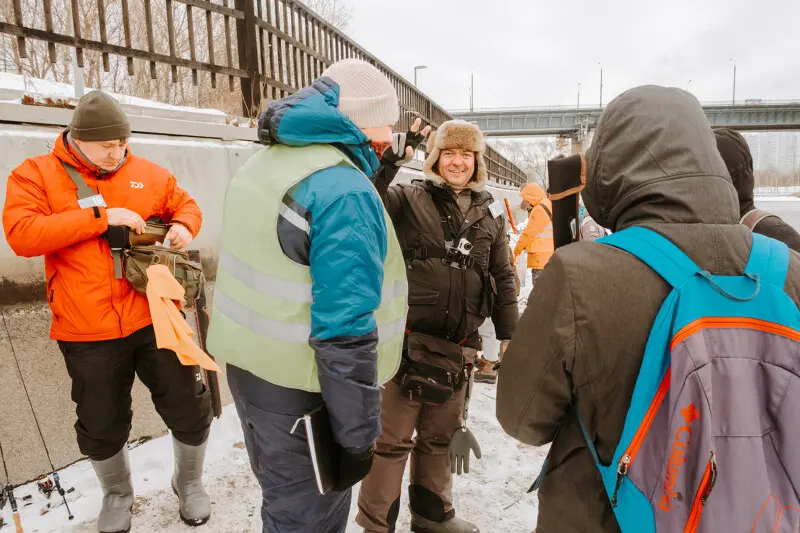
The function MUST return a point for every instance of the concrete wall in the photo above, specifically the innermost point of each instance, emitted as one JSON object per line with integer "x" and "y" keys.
{"x": 204, "y": 156}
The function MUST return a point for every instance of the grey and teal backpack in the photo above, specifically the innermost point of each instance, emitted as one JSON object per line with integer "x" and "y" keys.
{"x": 709, "y": 440}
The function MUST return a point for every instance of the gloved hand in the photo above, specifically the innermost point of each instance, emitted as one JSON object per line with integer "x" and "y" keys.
{"x": 353, "y": 468}
{"x": 404, "y": 145}
{"x": 461, "y": 444}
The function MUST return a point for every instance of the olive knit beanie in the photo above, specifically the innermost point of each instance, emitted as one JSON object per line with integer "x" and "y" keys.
{"x": 98, "y": 117}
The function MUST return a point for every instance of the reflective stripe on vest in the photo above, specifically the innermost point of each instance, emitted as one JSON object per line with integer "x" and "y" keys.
{"x": 287, "y": 290}
{"x": 545, "y": 233}
{"x": 288, "y": 332}
{"x": 261, "y": 320}
{"x": 293, "y": 218}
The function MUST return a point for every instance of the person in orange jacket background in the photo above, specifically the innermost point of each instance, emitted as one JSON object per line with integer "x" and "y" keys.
{"x": 102, "y": 325}
{"x": 537, "y": 237}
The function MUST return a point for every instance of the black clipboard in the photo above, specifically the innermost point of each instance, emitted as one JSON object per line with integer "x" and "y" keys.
{"x": 322, "y": 447}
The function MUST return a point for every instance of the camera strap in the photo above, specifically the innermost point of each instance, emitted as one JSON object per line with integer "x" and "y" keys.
{"x": 446, "y": 219}
{"x": 449, "y": 250}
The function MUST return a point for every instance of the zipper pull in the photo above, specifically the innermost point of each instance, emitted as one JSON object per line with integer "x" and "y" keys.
{"x": 622, "y": 471}
{"x": 713, "y": 479}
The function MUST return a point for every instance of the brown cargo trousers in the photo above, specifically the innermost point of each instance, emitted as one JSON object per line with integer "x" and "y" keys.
{"x": 431, "y": 490}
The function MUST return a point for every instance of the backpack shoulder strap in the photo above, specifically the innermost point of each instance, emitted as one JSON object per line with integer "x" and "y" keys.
{"x": 753, "y": 217}
{"x": 656, "y": 251}
{"x": 84, "y": 191}
{"x": 546, "y": 210}
{"x": 769, "y": 259}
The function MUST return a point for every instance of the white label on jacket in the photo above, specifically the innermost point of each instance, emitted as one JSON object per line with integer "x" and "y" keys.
{"x": 496, "y": 209}
{"x": 92, "y": 201}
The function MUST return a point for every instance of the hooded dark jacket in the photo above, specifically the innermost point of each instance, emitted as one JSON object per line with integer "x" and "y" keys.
{"x": 580, "y": 343}
{"x": 736, "y": 153}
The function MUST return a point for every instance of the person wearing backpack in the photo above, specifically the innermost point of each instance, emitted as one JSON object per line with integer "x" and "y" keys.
{"x": 537, "y": 237}
{"x": 736, "y": 153}
{"x": 103, "y": 326}
{"x": 592, "y": 370}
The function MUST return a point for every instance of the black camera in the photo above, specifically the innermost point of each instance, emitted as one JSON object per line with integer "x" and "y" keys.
{"x": 458, "y": 256}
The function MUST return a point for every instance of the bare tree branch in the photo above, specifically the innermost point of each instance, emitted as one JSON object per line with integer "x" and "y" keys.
{"x": 530, "y": 155}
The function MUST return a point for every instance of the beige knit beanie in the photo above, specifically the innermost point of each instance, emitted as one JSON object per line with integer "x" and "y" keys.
{"x": 366, "y": 96}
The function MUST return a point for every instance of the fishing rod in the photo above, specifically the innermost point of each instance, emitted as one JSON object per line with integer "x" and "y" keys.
{"x": 56, "y": 479}
{"x": 7, "y": 495}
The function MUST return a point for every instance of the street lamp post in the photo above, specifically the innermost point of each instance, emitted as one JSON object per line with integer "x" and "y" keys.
{"x": 579, "y": 96}
{"x": 733, "y": 102}
{"x": 687, "y": 85}
{"x": 418, "y": 67}
{"x": 601, "y": 84}
{"x": 472, "y": 91}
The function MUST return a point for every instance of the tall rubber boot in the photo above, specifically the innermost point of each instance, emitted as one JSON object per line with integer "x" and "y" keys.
{"x": 187, "y": 483}
{"x": 454, "y": 525}
{"x": 114, "y": 475}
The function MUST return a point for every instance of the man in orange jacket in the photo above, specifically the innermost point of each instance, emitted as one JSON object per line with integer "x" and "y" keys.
{"x": 538, "y": 235}
{"x": 102, "y": 325}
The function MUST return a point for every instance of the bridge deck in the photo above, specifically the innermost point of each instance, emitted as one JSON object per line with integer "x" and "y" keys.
{"x": 567, "y": 121}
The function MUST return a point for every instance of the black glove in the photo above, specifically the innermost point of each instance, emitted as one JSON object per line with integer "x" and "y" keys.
{"x": 353, "y": 468}
{"x": 395, "y": 155}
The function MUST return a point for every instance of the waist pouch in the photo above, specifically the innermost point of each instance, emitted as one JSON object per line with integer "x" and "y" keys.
{"x": 135, "y": 252}
{"x": 433, "y": 369}
{"x": 136, "y": 259}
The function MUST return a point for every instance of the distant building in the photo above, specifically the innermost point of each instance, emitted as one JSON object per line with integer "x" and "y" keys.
{"x": 775, "y": 150}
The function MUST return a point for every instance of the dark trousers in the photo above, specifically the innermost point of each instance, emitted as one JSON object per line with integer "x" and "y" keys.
{"x": 102, "y": 375}
{"x": 280, "y": 460}
{"x": 431, "y": 491}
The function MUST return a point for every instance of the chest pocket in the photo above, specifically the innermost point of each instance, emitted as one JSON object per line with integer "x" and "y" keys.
{"x": 62, "y": 195}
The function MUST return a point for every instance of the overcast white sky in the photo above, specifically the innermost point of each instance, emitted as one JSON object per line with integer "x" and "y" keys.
{"x": 534, "y": 52}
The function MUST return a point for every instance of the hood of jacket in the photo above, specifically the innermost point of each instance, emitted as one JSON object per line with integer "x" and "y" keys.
{"x": 312, "y": 116}
{"x": 654, "y": 159}
{"x": 67, "y": 151}
{"x": 736, "y": 154}
{"x": 533, "y": 194}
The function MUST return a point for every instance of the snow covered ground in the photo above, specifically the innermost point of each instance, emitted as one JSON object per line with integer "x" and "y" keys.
{"x": 492, "y": 495}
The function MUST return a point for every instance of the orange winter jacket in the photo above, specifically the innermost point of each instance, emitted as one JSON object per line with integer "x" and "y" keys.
{"x": 538, "y": 235}
{"x": 42, "y": 217}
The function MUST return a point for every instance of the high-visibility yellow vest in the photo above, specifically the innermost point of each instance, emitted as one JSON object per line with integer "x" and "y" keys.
{"x": 261, "y": 319}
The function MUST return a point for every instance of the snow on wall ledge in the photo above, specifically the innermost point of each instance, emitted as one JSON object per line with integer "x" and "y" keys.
{"x": 14, "y": 86}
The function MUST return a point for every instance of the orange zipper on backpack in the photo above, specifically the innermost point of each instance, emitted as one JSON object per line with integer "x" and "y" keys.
{"x": 633, "y": 448}
{"x": 703, "y": 492}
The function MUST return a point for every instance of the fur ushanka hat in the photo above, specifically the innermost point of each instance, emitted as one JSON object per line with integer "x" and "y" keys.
{"x": 457, "y": 134}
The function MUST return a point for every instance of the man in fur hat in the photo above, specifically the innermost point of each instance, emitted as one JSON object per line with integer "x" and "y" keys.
{"x": 452, "y": 234}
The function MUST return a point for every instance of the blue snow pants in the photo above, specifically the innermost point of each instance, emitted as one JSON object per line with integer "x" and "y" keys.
{"x": 290, "y": 502}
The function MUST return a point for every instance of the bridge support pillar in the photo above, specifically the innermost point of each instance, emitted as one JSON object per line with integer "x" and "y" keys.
{"x": 581, "y": 141}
